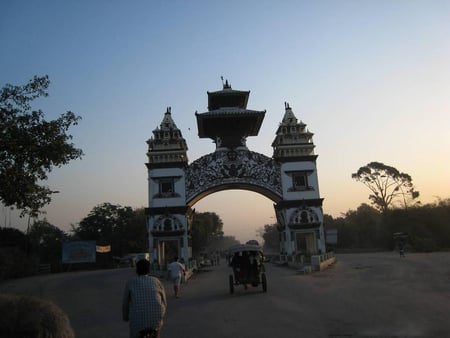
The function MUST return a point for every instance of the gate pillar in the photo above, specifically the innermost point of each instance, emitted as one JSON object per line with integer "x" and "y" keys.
{"x": 168, "y": 216}
{"x": 299, "y": 213}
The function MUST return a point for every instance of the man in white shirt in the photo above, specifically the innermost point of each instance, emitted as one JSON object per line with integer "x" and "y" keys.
{"x": 176, "y": 270}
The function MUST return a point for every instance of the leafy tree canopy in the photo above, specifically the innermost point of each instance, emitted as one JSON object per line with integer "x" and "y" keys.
{"x": 206, "y": 227}
{"x": 426, "y": 227}
{"x": 46, "y": 240}
{"x": 271, "y": 236}
{"x": 387, "y": 185}
{"x": 11, "y": 237}
{"x": 121, "y": 227}
{"x": 42, "y": 231}
{"x": 102, "y": 222}
{"x": 31, "y": 146}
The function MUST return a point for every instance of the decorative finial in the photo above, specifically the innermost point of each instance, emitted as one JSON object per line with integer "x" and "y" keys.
{"x": 286, "y": 105}
{"x": 169, "y": 109}
{"x": 225, "y": 85}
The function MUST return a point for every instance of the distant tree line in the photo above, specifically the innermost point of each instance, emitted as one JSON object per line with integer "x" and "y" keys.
{"x": 395, "y": 210}
{"x": 427, "y": 228}
{"x": 123, "y": 228}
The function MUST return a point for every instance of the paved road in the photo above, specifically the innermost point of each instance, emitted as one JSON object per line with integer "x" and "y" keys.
{"x": 363, "y": 295}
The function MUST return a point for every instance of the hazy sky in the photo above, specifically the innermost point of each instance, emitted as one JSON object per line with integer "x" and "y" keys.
{"x": 371, "y": 79}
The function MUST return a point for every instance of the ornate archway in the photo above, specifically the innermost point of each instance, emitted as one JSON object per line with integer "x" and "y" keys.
{"x": 234, "y": 169}
{"x": 288, "y": 178}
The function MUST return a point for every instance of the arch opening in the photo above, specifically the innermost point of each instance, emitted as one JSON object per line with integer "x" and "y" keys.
{"x": 242, "y": 211}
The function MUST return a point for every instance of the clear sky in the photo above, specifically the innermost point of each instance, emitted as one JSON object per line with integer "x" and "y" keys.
{"x": 371, "y": 79}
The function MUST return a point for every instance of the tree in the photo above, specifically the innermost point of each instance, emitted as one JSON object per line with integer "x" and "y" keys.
{"x": 46, "y": 241}
{"x": 11, "y": 237}
{"x": 14, "y": 258}
{"x": 365, "y": 226}
{"x": 386, "y": 184}
{"x": 135, "y": 237}
{"x": 121, "y": 227}
{"x": 206, "y": 227}
{"x": 102, "y": 223}
{"x": 271, "y": 237}
{"x": 426, "y": 227}
{"x": 31, "y": 146}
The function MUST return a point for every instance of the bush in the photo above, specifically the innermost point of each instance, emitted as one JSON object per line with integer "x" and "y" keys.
{"x": 423, "y": 244}
{"x": 14, "y": 263}
{"x": 24, "y": 316}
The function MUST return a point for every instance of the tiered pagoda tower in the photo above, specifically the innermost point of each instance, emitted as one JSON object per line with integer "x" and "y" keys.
{"x": 167, "y": 144}
{"x": 299, "y": 214}
{"x": 167, "y": 224}
{"x": 228, "y": 122}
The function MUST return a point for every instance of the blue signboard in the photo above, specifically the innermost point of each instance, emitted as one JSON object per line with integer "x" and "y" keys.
{"x": 78, "y": 252}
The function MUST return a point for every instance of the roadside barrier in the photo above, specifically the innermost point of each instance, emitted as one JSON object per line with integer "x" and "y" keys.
{"x": 44, "y": 268}
{"x": 321, "y": 262}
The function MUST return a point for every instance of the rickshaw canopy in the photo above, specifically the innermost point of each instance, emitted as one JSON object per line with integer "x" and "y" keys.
{"x": 245, "y": 247}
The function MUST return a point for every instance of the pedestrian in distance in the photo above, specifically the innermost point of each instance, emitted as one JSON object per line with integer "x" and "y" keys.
{"x": 401, "y": 250}
{"x": 176, "y": 271}
{"x": 144, "y": 303}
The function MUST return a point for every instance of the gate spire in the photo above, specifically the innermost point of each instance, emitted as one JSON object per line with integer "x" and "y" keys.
{"x": 228, "y": 122}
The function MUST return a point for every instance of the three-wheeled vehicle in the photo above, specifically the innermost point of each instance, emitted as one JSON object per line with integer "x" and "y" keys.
{"x": 248, "y": 268}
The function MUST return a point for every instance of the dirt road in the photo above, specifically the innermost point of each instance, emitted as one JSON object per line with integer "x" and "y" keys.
{"x": 362, "y": 295}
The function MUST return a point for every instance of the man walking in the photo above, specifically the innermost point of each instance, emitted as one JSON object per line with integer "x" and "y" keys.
{"x": 144, "y": 303}
{"x": 176, "y": 270}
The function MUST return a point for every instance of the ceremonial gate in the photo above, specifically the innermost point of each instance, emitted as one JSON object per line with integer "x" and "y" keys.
{"x": 288, "y": 178}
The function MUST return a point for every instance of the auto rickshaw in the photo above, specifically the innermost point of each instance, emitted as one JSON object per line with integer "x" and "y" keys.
{"x": 248, "y": 268}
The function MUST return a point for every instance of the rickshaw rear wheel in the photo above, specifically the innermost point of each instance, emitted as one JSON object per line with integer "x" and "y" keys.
{"x": 230, "y": 278}
{"x": 264, "y": 282}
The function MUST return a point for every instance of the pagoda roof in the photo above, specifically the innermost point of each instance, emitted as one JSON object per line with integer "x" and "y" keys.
{"x": 227, "y": 97}
{"x": 226, "y": 121}
{"x": 289, "y": 117}
{"x": 167, "y": 122}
